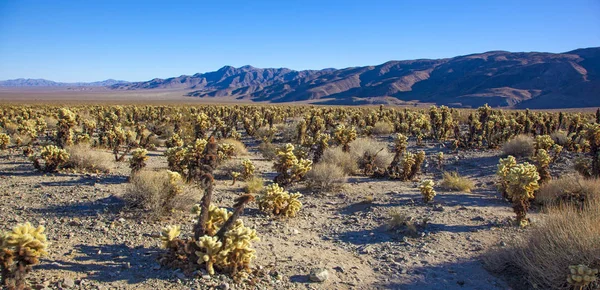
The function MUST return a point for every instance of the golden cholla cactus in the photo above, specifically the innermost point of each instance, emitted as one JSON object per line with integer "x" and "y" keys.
{"x": 277, "y": 201}
{"x": 504, "y": 167}
{"x": 249, "y": 168}
{"x": 66, "y": 121}
{"x": 440, "y": 159}
{"x": 169, "y": 234}
{"x": 225, "y": 151}
{"x": 427, "y": 190}
{"x": 234, "y": 176}
{"x": 592, "y": 136}
{"x": 344, "y": 136}
{"x": 174, "y": 141}
{"x": 175, "y": 185}
{"x": 542, "y": 160}
{"x": 238, "y": 251}
{"x": 581, "y": 275}
{"x": 289, "y": 167}
{"x": 20, "y": 249}
{"x": 543, "y": 142}
{"x": 211, "y": 252}
{"x": 4, "y": 141}
{"x": 522, "y": 182}
{"x": 138, "y": 159}
{"x": 400, "y": 144}
{"x": 53, "y": 157}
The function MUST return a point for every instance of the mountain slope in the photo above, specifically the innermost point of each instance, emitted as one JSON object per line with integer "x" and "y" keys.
{"x": 499, "y": 78}
{"x": 47, "y": 83}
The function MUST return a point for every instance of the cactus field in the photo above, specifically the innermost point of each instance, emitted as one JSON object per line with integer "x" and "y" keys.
{"x": 101, "y": 196}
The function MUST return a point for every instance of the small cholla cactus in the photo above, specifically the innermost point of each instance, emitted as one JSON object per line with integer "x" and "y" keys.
{"x": 400, "y": 144}
{"x": 427, "y": 190}
{"x": 234, "y": 177}
{"x": 289, "y": 167}
{"x": 225, "y": 151}
{"x": 174, "y": 141}
{"x": 440, "y": 160}
{"x": 168, "y": 235}
{"x": 4, "y": 141}
{"x": 543, "y": 142}
{"x": 581, "y": 276}
{"x": 344, "y": 136}
{"x": 504, "y": 167}
{"x": 277, "y": 201}
{"x": 522, "y": 182}
{"x": 53, "y": 157}
{"x": 138, "y": 160}
{"x": 20, "y": 249}
{"x": 249, "y": 168}
{"x": 210, "y": 253}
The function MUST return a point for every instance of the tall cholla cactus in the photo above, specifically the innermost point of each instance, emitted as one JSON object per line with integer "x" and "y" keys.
{"x": 504, "y": 167}
{"x": 522, "y": 182}
{"x": 53, "y": 157}
{"x": 344, "y": 136}
{"x": 542, "y": 161}
{"x": 4, "y": 141}
{"x": 66, "y": 121}
{"x": 581, "y": 276}
{"x": 249, "y": 168}
{"x": 400, "y": 144}
{"x": 277, "y": 201}
{"x": 592, "y": 135}
{"x": 138, "y": 160}
{"x": 427, "y": 190}
{"x": 289, "y": 167}
{"x": 20, "y": 249}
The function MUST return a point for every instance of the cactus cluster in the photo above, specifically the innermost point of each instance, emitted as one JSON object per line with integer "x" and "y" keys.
{"x": 343, "y": 136}
{"x": 4, "y": 141}
{"x": 279, "y": 202}
{"x": 53, "y": 159}
{"x": 290, "y": 168}
{"x": 138, "y": 160}
{"x": 519, "y": 182}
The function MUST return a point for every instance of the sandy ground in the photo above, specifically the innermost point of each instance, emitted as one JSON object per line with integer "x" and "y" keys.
{"x": 98, "y": 243}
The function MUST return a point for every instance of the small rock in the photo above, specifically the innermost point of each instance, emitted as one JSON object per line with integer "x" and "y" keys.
{"x": 68, "y": 283}
{"x": 224, "y": 286}
{"x": 319, "y": 275}
{"x": 438, "y": 207}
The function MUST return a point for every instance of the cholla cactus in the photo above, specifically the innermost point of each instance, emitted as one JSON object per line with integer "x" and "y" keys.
{"x": 543, "y": 142}
{"x": 119, "y": 139}
{"x": 212, "y": 252}
{"x": 592, "y": 136}
{"x": 400, "y": 144}
{"x": 289, "y": 167}
{"x": 542, "y": 161}
{"x": 225, "y": 151}
{"x": 138, "y": 160}
{"x": 522, "y": 182}
{"x": 4, "y": 141}
{"x": 66, "y": 121}
{"x": 20, "y": 249}
{"x": 440, "y": 160}
{"x": 234, "y": 176}
{"x": 174, "y": 141}
{"x": 53, "y": 157}
{"x": 168, "y": 235}
{"x": 581, "y": 276}
{"x": 427, "y": 190}
{"x": 216, "y": 218}
{"x": 249, "y": 168}
{"x": 344, "y": 136}
{"x": 504, "y": 167}
{"x": 277, "y": 201}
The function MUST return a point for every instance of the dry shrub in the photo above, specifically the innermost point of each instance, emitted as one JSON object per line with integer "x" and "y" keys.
{"x": 567, "y": 236}
{"x": 268, "y": 150}
{"x": 25, "y": 139}
{"x": 288, "y": 131}
{"x": 343, "y": 160}
{"x": 51, "y": 122}
{"x": 11, "y": 128}
{"x": 520, "y": 146}
{"x": 326, "y": 177}
{"x": 383, "y": 128}
{"x": 239, "y": 148}
{"x": 453, "y": 181}
{"x": 568, "y": 188}
{"x": 254, "y": 185}
{"x": 152, "y": 191}
{"x": 228, "y": 166}
{"x": 561, "y": 138}
{"x": 265, "y": 133}
{"x": 359, "y": 146}
{"x": 85, "y": 159}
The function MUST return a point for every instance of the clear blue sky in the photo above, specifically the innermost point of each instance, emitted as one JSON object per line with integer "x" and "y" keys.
{"x": 87, "y": 40}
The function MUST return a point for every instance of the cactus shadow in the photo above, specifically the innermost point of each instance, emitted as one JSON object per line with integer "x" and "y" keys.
{"x": 111, "y": 263}
{"x": 88, "y": 180}
{"x": 109, "y": 204}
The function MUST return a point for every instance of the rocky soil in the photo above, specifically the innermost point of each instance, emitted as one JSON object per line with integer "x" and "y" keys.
{"x": 339, "y": 240}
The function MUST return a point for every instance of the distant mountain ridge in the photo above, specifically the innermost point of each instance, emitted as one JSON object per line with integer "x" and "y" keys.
{"x": 46, "y": 83}
{"x": 498, "y": 78}
{"x": 535, "y": 80}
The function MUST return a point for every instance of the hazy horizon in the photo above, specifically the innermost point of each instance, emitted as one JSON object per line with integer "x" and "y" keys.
{"x": 71, "y": 41}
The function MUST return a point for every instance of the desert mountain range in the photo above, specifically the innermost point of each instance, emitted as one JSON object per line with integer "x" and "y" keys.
{"x": 498, "y": 78}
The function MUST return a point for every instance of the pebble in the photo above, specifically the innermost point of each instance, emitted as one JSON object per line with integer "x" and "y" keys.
{"x": 319, "y": 275}
{"x": 68, "y": 283}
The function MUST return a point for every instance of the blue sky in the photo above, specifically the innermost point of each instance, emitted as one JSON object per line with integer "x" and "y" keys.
{"x": 140, "y": 40}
